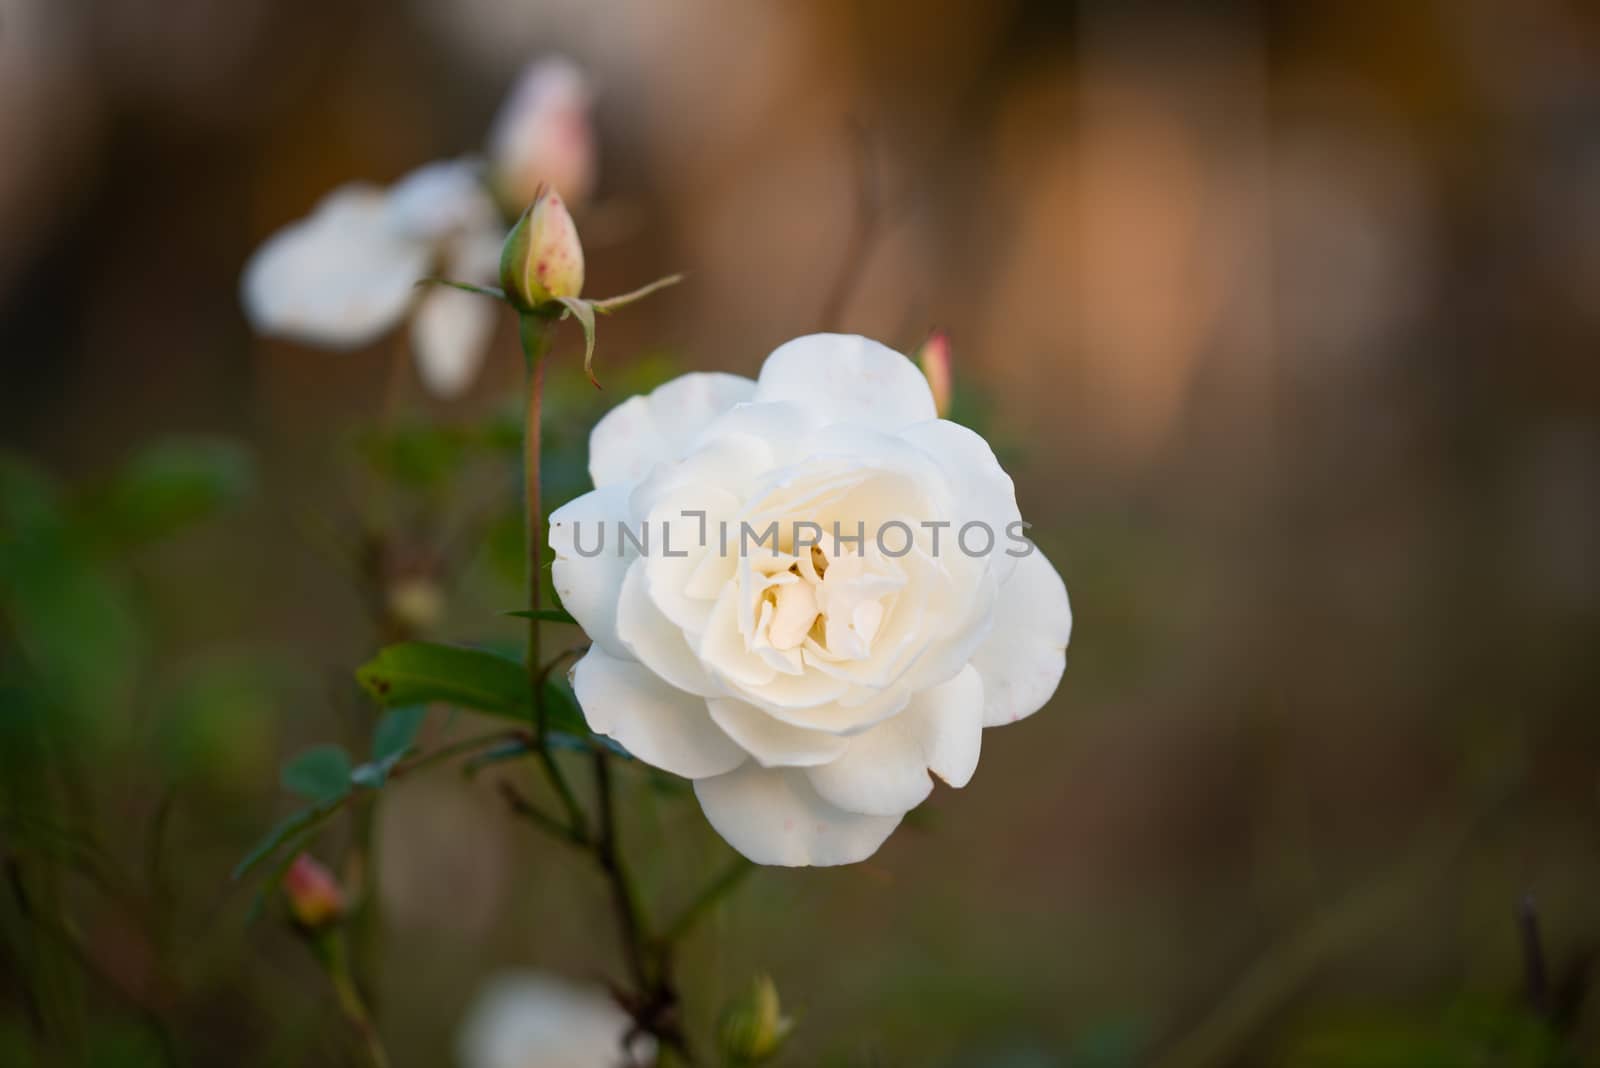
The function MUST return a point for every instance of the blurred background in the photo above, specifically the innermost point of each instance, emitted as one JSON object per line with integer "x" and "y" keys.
{"x": 1284, "y": 316}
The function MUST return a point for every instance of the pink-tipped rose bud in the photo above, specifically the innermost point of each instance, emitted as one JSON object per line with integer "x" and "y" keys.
{"x": 934, "y": 359}
{"x": 315, "y": 899}
{"x": 543, "y": 136}
{"x": 542, "y": 258}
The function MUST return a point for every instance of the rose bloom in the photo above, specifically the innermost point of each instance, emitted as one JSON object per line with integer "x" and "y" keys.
{"x": 808, "y": 690}
{"x": 347, "y": 274}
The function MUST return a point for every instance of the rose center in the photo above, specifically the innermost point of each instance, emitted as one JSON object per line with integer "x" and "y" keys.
{"x": 826, "y": 607}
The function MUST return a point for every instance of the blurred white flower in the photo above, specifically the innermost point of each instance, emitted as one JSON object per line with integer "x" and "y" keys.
{"x": 544, "y": 136}
{"x": 810, "y": 679}
{"x": 532, "y": 1020}
{"x": 347, "y": 274}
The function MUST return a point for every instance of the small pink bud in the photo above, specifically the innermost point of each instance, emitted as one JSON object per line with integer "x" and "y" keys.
{"x": 542, "y": 258}
{"x": 315, "y": 899}
{"x": 934, "y": 359}
{"x": 544, "y": 136}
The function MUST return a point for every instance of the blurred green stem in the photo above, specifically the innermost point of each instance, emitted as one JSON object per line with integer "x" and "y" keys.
{"x": 334, "y": 955}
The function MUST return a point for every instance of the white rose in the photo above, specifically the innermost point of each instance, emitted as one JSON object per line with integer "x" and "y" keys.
{"x": 807, "y": 695}
{"x": 532, "y": 1020}
{"x": 347, "y": 273}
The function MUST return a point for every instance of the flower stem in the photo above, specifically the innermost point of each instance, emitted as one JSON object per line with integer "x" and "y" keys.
{"x": 534, "y": 331}
{"x": 630, "y": 914}
{"x": 535, "y": 338}
{"x": 336, "y": 961}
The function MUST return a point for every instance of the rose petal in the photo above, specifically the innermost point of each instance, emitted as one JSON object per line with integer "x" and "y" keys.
{"x": 643, "y": 431}
{"x": 660, "y": 725}
{"x": 590, "y": 585}
{"x": 654, "y": 640}
{"x": 847, "y": 379}
{"x": 450, "y": 334}
{"x": 885, "y": 770}
{"x": 773, "y": 816}
{"x": 772, "y": 742}
{"x": 338, "y": 278}
{"x": 442, "y": 199}
{"x": 786, "y": 428}
{"x": 981, "y": 490}
{"x": 1022, "y": 658}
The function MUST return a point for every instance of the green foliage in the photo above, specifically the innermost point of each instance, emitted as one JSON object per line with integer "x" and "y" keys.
{"x": 218, "y": 717}
{"x": 320, "y": 774}
{"x": 1469, "y": 1033}
{"x": 396, "y": 732}
{"x": 392, "y": 739}
{"x": 420, "y": 673}
{"x": 64, "y": 591}
{"x": 69, "y": 611}
{"x": 419, "y": 455}
{"x": 414, "y": 673}
{"x": 547, "y": 615}
{"x": 562, "y": 711}
{"x": 293, "y": 828}
{"x": 171, "y": 484}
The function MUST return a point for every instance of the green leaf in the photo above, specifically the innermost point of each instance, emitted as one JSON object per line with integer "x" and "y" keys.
{"x": 320, "y": 774}
{"x": 396, "y": 732}
{"x": 547, "y": 615}
{"x": 413, "y": 673}
{"x": 561, "y": 708}
{"x": 392, "y": 739}
{"x": 583, "y": 311}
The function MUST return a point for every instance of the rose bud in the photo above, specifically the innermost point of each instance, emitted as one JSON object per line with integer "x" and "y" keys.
{"x": 543, "y": 136}
{"x": 542, "y": 258}
{"x": 934, "y": 359}
{"x": 753, "y": 1026}
{"x": 315, "y": 899}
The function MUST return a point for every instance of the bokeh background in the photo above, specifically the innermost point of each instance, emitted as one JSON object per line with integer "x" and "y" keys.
{"x": 1284, "y": 316}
